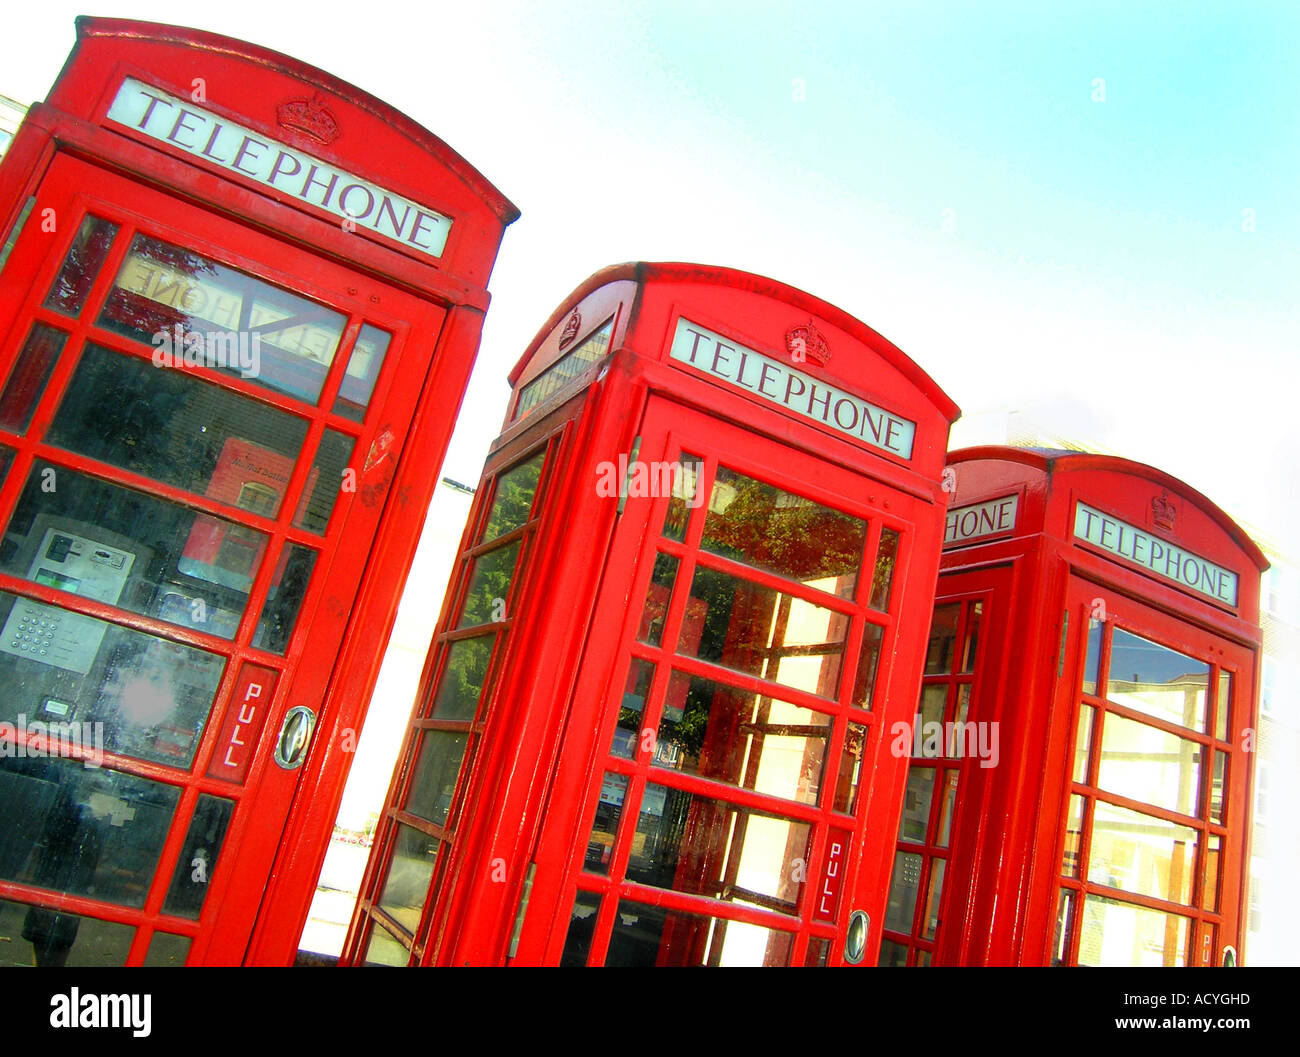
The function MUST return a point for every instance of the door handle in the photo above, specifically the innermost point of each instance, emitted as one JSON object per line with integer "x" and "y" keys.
{"x": 295, "y": 735}
{"x": 1229, "y": 957}
{"x": 855, "y": 937}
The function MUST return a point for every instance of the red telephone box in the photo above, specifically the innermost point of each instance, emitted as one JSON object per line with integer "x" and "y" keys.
{"x": 239, "y": 303}
{"x": 692, "y": 593}
{"x": 1091, "y": 675}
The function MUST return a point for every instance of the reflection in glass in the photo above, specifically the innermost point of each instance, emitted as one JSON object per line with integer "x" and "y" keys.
{"x": 1142, "y": 763}
{"x": 849, "y": 778}
{"x": 565, "y": 369}
{"x": 462, "y": 679}
{"x": 1140, "y": 853}
{"x": 198, "y": 859}
{"x": 1218, "y": 784}
{"x": 284, "y": 598}
{"x": 703, "y": 846}
{"x": 916, "y": 805}
{"x": 1064, "y": 922}
{"x": 167, "y": 951}
{"x": 686, "y": 481}
{"x": 364, "y": 365}
{"x": 1221, "y": 709}
{"x": 489, "y": 586}
{"x": 1115, "y": 933}
{"x": 383, "y": 949}
{"x": 930, "y": 917}
{"x": 943, "y": 640}
{"x": 407, "y": 886}
{"x": 200, "y": 311}
{"x": 1156, "y": 680}
{"x": 892, "y": 955}
{"x": 766, "y": 528}
{"x": 433, "y": 783}
{"x": 974, "y": 619}
{"x": 744, "y": 739}
{"x": 947, "y": 806}
{"x": 85, "y": 257}
{"x": 52, "y": 939}
{"x": 882, "y": 577}
{"x": 582, "y": 924}
{"x": 631, "y": 709}
{"x": 864, "y": 682}
{"x": 927, "y": 734}
{"x": 1083, "y": 744}
{"x": 514, "y": 498}
{"x": 763, "y": 632}
{"x": 1092, "y": 657}
{"x": 172, "y": 427}
{"x": 324, "y": 482}
{"x": 1073, "y": 836}
{"x": 26, "y": 384}
{"x": 1210, "y": 883}
{"x": 655, "y": 611}
{"x": 604, "y": 826}
{"x": 648, "y": 936}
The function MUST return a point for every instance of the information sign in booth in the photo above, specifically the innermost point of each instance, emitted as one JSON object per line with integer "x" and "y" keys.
{"x": 239, "y": 303}
{"x": 691, "y": 598}
{"x": 1092, "y": 669}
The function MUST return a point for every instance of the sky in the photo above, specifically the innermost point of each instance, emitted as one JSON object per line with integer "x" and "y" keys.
{"x": 1082, "y": 212}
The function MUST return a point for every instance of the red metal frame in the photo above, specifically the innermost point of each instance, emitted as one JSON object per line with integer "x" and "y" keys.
{"x": 524, "y": 795}
{"x": 70, "y": 158}
{"x": 1044, "y": 585}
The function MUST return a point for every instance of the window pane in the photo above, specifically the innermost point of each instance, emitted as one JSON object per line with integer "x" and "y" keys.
{"x": 132, "y": 550}
{"x": 437, "y": 766}
{"x": 1092, "y": 658}
{"x": 364, "y": 365}
{"x": 1223, "y": 705}
{"x": 770, "y": 529}
{"x": 324, "y": 483}
{"x": 647, "y": 936}
{"x": 710, "y": 847}
{"x": 56, "y": 939}
{"x": 632, "y": 710}
{"x": 514, "y": 498}
{"x": 1141, "y": 854}
{"x": 198, "y": 858}
{"x": 167, "y": 950}
{"x": 927, "y": 732}
{"x": 882, "y": 577}
{"x": 171, "y": 427}
{"x": 658, "y": 594}
{"x": 106, "y": 688}
{"x": 947, "y": 807}
{"x": 742, "y": 738}
{"x": 19, "y": 224}
{"x": 489, "y": 586}
{"x": 849, "y": 779}
{"x": 1218, "y": 784}
{"x": 1064, "y": 922}
{"x": 864, "y": 682}
{"x": 82, "y": 830}
{"x": 763, "y": 632}
{"x": 409, "y": 875}
{"x": 1115, "y": 933}
{"x": 892, "y": 955}
{"x": 582, "y": 924}
{"x": 384, "y": 949}
{"x": 80, "y": 267}
{"x": 915, "y": 820}
{"x": 36, "y": 360}
{"x": 284, "y": 598}
{"x": 198, "y": 311}
{"x": 1083, "y": 743}
{"x": 1210, "y": 883}
{"x": 462, "y": 679}
{"x": 930, "y": 917}
{"x": 1073, "y": 836}
{"x": 1156, "y": 680}
{"x": 685, "y": 497}
{"x": 943, "y": 640}
{"x": 974, "y": 617}
{"x": 564, "y": 370}
{"x": 604, "y": 826}
{"x": 1142, "y": 763}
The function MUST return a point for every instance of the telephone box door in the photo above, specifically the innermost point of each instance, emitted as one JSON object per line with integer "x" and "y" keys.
{"x": 197, "y": 441}
{"x": 1155, "y": 823}
{"x": 715, "y": 802}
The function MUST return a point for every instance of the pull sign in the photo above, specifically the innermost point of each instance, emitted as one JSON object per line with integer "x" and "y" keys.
{"x": 832, "y": 879}
{"x": 245, "y": 716}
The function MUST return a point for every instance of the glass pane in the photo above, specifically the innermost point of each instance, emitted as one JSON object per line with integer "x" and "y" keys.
{"x": 36, "y": 360}
{"x": 6, "y": 458}
{"x": 942, "y": 646}
{"x": 1141, "y": 854}
{"x": 198, "y": 858}
{"x": 882, "y": 577}
{"x": 138, "y": 552}
{"x": 582, "y": 923}
{"x": 81, "y": 830}
{"x": 864, "y": 682}
{"x": 763, "y": 632}
{"x": 1064, "y": 922}
{"x": 930, "y": 917}
{"x": 655, "y": 611}
{"x": 1083, "y": 744}
{"x": 1142, "y": 763}
{"x": 171, "y": 427}
{"x": 947, "y": 806}
{"x": 364, "y": 365}
{"x": 974, "y": 617}
{"x": 1222, "y": 708}
{"x": 849, "y": 779}
{"x": 514, "y": 498}
{"x": 437, "y": 766}
{"x": 916, "y": 805}
{"x": 817, "y": 954}
{"x": 1115, "y": 933}
{"x": 324, "y": 482}
{"x": 409, "y": 875}
{"x": 101, "y": 687}
{"x": 19, "y": 224}
{"x": 604, "y": 827}
{"x": 383, "y": 949}
{"x": 1073, "y": 836}
{"x": 892, "y": 955}
{"x": 685, "y": 497}
{"x": 710, "y": 847}
{"x": 1210, "y": 883}
{"x": 462, "y": 679}
{"x": 167, "y": 950}
{"x": 564, "y": 370}
{"x": 927, "y": 734}
{"x": 196, "y": 311}
{"x": 1156, "y": 680}
{"x": 902, "y": 892}
{"x": 56, "y": 939}
{"x": 1092, "y": 658}
{"x": 766, "y": 528}
{"x": 632, "y": 709}
{"x": 1218, "y": 784}
{"x": 85, "y": 257}
{"x": 742, "y": 738}
{"x": 489, "y": 586}
{"x": 922, "y": 959}
{"x": 646, "y": 936}
{"x": 284, "y": 598}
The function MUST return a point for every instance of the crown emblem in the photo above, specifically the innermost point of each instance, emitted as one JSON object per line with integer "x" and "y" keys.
{"x": 1163, "y": 512}
{"x": 806, "y": 345}
{"x": 570, "y": 329}
{"x": 311, "y": 117}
